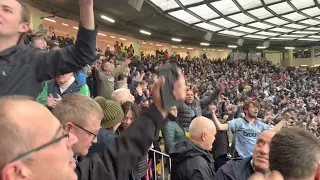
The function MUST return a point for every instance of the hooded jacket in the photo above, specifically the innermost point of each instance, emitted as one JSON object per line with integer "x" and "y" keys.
{"x": 237, "y": 169}
{"x": 23, "y": 69}
{"x": 191, "y": 162}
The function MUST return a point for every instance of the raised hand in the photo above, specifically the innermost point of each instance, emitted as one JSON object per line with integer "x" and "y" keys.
{"x": 179, "y": 92}
{"x": 213, "y": 109}
{"x": 86, "y": 14}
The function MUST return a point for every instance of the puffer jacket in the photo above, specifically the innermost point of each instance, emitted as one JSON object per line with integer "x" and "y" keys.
{"x": 191, "y": 162}
{"x": 184, "y": 116}
{"x": 52, "y": 87}
{"x": 237, "y": 169}
{"x": 194, "y": 109}
{"x": 172, "y": 133}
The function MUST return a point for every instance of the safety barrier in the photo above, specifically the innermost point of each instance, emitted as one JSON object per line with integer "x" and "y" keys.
{"x": 164, "y": 175}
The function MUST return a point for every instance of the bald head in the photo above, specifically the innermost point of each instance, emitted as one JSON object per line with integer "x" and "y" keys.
{"x": 202, "y": 131}
{"x": 122, "y": 95}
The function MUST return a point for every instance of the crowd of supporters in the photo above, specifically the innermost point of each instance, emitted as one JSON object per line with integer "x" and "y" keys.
{"x": 75, "y": 112}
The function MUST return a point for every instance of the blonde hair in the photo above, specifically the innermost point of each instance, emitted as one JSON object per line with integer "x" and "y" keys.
{"x": 14, "y": 139}
{"x": 77, "y": 108}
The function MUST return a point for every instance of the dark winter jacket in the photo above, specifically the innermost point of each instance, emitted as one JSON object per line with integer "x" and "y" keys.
{"x": 237, "y": 169}
{"x": 195, "y": 108}
{"x": 191, "y": 162}
{"x": 118, "y": 161}
{"x": 184, "y": 116}
{"x": 23, "y": 69}
{"x": 105, "y": 139}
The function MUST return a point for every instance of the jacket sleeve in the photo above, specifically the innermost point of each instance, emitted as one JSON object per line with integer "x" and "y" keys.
{"x": 122, "y": 157}
{"x": 48, "y": 65}
{"x": 219, "y": 175}
{"x": 200, "y": 172}
{"x": 184, "y": 115}
{"x": 85, "y": 90}
{"x": 43, "y": 95}
{"x": 168, "y": 136}
{"x": 206, "y": 101}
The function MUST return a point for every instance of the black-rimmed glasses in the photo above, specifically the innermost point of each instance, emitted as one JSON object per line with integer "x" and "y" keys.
{"x": 65, "y": 135}
{"x": 89, "y": 132}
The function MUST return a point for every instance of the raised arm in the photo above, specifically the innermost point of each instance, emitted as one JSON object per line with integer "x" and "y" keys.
{"x": 119, "y": 160}
{"x": 219, "y": 126}
{"x": 279, "y": 126}
{"x": 207, "y": 100}
{"x": 48, "y": 65}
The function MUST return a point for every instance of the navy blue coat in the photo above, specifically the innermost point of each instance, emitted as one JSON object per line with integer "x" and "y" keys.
{"x": 237, "y": 169}
{"x": 106, "y": 138}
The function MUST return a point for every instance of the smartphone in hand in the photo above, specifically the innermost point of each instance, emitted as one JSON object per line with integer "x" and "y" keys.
{"x": 170, "y": 73}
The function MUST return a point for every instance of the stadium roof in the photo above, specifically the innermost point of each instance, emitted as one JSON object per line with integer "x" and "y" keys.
{"x": 281, "y": 22}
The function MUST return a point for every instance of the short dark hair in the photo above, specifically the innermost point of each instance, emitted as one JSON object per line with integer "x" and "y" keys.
{"x": 25, "y": 14}
{"x": 121, "y": 77}
{"x": 54, "y": 45}
{"x": 295, "y": 153}
{"x": 36, "y": 38}
{"x": 119, "y": 85}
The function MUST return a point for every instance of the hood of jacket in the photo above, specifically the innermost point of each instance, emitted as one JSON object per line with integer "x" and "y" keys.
{"x": 188, "y": 149}
{"x": 105, "y": 135}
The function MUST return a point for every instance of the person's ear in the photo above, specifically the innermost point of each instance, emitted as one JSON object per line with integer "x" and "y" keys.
{"x": 24, "y": 27}
{"x": 203, "y": 136}
{"x": 68, "y": 125}
{"x": 16, "y": 170}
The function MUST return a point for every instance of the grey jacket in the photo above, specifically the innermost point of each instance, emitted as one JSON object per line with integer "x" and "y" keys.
{"x": 195, "y": 109}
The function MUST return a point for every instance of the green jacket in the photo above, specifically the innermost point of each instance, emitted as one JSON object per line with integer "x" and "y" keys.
{"x": 51, "y": 87}
{"x": 107, "y": 80}
{"x": 172, "y": 134}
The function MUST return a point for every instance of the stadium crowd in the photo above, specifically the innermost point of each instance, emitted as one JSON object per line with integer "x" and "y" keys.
{"x": 71, "y": 111}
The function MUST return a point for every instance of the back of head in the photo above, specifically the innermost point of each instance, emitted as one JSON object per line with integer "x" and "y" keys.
{"x": 113, "y": 114}
{"x": 295, "y": 153}
{"x": 76, "y": 108}
{"x": 120, "y": 85}
{"x": 121, "y": 95}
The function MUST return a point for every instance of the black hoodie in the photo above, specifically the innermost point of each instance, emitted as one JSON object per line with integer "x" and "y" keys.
{"x": 191, "y": 162}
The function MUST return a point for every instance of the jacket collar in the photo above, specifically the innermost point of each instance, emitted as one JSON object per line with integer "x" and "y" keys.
{"x": 10, "y": 50}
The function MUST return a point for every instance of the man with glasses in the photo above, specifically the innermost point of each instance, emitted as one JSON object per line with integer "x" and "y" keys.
{"x": 82, "y": 116}
{"x": 33, "y": 147}
{"x": 33, "y": 143}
